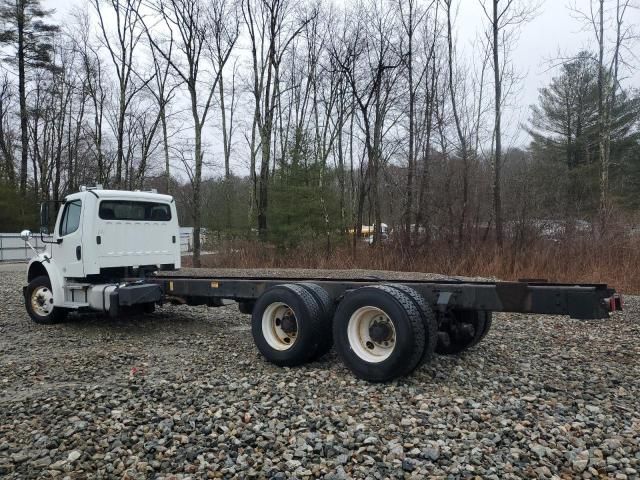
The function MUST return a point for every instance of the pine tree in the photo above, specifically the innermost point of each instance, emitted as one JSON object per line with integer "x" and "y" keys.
{"x": 565, "y": 121}
{"x": 24, "y": 30}
{"x": 565, "y": 128}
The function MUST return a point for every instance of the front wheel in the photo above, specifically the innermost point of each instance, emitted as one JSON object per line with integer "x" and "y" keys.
{"x": 38, "y": 300}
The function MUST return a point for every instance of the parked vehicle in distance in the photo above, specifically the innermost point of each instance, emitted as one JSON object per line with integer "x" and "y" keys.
{"x": 384, "y": 237}
{"x": 114, "y": 250}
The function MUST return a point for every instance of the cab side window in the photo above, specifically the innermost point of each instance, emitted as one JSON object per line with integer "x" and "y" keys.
{"x": 70, "y": 217}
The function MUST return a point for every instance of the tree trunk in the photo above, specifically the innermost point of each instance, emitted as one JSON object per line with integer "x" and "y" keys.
{"x": 497, "y": 202}
{"x": 461, "y": 137}
{"x": 263, "y": 184}
{"x": 22, "y": 93}
{"x": 120, "y": 136}
{"x": 604, "y": 163}
{"x": 165, "y": 145}
{"x": 197, "y": 200}
{"x": 252, "y": 172}
{"x": 226, "y": 144}
{"x": 225, "y": 136}
{"x": 197, "y": 177}
{"x": 341, "y": 173}
{"x": 411, "y": 161}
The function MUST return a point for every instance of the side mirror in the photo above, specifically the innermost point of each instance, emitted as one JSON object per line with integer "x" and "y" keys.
{"x": 26, "y": 235}
{"x": 44, "y": 217}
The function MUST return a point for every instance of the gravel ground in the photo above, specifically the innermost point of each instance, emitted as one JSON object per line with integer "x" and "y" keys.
{"x": 183, "y": 393}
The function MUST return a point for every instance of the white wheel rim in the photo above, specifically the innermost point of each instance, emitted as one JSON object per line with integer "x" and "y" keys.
{"x": 272, "y": 326}
{"x": 359, "y": 334}
{"x": 42, "y": 301}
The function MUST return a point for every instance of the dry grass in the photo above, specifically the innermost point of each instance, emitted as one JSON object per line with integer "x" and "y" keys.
{"x": 613, "y": 260}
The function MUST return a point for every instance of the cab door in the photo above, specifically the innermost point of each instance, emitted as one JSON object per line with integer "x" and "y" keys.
{"x": 69, "y": 252}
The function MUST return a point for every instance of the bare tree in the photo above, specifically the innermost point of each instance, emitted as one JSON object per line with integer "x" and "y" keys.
{"x": 7, "y": 168}
{"x": 370, "y": 63}
{"x": 95, "y": 87}
{"x": 271, "y": 30}
{"x": 504, "y": 17}
{"x": 194, "y": 33}
{"x": 430, "y": 85}
{"x": 75, "y": 118}
{"x": 411, "y": 16}
{"x": 163, "y": 91}
{"x": 219, "y": 56}
{"x": 325, "y": 93}
{"x": 122, "y": 51}
{"x": 462, "y": 139}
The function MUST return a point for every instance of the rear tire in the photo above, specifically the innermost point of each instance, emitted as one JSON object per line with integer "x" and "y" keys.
{"x": 286, "y": 323}
{"x": 488, "y": 321}
{"x": 38, "y": 301}
{"x": 325, "y": 341}
{"x": 428, "y": 320}
{"x": 460, "y": 339}
{"x": 378, "y": 333}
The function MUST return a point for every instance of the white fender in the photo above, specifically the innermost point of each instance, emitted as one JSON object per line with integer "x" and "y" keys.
{"x": 55, "y": 277}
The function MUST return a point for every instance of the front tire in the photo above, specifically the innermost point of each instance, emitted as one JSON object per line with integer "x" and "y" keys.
{"x": 39, "y": 302}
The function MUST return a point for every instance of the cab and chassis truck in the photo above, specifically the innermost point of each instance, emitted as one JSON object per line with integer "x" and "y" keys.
{"x": 112, "y": 251}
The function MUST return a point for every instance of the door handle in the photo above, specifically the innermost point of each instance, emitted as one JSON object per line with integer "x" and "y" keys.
{"x": 78, "y": 252}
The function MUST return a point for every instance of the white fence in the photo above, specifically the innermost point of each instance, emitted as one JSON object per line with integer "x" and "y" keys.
{"x": 186, "y": 240}
{"x": 186, "y": 243}
{"x": 14, "y": 249}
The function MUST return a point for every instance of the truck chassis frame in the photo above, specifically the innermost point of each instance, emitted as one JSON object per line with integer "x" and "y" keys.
{"x": 580, "y": 301}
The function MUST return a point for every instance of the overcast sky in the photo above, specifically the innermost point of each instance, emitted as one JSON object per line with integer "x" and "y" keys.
{"x": 551, "y": 33}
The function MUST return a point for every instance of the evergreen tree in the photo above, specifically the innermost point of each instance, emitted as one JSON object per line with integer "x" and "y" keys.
{"x": 296, "y": 210}
{"x": 565, "y": 122}
{"x": 565, "y": 129}
{"x": 24, "y": 30}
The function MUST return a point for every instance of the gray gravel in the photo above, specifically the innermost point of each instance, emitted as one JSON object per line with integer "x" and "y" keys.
{"x": 183, "y": 393}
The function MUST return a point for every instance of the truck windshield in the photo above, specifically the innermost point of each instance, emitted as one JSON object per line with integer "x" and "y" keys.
{"x": 132, "y": 210}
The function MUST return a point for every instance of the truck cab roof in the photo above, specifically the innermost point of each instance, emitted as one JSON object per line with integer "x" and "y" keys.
{"x": 121, "y": 195}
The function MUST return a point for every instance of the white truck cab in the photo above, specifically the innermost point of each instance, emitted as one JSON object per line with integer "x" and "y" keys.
{"x": 102, "y": 239}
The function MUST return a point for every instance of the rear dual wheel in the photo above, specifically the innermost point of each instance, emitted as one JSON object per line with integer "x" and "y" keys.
{"x": 290, "y": 324}
{"x": 327, "y": 309}
{"x": 429, "y": 320}
{"x": 379, "y": 332}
